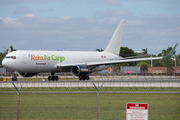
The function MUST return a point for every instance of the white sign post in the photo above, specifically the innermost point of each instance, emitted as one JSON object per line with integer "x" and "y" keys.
{"x": 136, "y": 111}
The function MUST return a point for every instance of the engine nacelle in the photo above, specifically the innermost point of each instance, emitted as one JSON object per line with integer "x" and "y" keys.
{"x": 79, "y": 70}
{"x": 27, "y": 74}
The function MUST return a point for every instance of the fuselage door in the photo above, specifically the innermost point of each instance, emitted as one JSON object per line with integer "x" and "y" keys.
{"x": 40, "y": 65}
{"x": 25, "y": 57}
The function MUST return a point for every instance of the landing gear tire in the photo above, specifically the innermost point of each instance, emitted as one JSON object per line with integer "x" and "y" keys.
{"x": 53, "y": 78}
{"x": 14, "y": 78}
{"x": 87, "y": 78}
{"x": 80, "y": 77}
{"x": 49, "y": 78}
{"x": 56, "y": 78}
{"x": 84, "y": 77}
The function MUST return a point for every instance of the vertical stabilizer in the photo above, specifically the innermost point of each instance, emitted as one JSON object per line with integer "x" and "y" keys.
{"x": 9, "y": 50}
{"x": 115, "y": 42}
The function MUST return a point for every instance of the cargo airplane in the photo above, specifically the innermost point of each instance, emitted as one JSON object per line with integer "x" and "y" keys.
{"x": 79, "y": 63}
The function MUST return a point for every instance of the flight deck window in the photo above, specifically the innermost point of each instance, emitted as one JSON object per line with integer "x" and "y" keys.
{"x": 13, "y": 57}
{"x": 10, "y": 57}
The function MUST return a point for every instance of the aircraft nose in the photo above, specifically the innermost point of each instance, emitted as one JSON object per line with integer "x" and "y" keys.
{"x": 4, "y": 63}
{"x": 7, "y": 64}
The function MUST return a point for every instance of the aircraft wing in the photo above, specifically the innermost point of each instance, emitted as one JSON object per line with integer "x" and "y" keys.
{"x": 122, "y": 61}
{"x": 92, "y": 65}
{"x": 99, "y": 63}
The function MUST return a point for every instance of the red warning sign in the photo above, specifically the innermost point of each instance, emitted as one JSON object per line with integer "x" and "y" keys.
{"x": 136, "y": 111}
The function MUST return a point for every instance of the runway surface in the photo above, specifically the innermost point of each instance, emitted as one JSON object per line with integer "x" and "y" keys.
{"x": 106, "y": 81}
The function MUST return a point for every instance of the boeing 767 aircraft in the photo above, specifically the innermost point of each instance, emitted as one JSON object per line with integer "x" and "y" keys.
{"x": 29, "y": 63}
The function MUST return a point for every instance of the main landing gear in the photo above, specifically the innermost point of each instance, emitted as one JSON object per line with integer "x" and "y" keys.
{"x": 84, "y": 77}
{"x": 52, "y": 77}
{"x": 14, "y": 78}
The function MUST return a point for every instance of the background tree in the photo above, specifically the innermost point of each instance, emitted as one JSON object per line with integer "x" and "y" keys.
{"x": 179, "y": 56}
{"x": 168, "y": 62}
{"x": 178, "y": 60}
{"x": 144, "y": 64}
{"x": 2, "y": 55}
{"x": 166, "y": 52}
{"x": 126, "y": 52}
{"x": 100, "y": 50}
{"x": 144, "y": 52}
{"x": 122, "y": 64}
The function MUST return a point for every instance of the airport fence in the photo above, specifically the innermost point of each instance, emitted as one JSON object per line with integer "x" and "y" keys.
{"x": 102, "y": 97}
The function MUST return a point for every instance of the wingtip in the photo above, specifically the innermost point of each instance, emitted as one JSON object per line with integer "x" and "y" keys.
{"x": 171, "y": 52}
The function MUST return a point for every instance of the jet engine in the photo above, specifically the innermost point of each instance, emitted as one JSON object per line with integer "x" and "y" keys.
{"x": 79, "y": 70}
{"x": 27, "y": 74}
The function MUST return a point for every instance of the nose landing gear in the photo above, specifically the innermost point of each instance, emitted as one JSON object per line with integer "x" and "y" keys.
{"x": 14, "y": 78}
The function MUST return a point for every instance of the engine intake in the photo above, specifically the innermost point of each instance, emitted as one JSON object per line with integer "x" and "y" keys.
{"x": 79, "y": 70}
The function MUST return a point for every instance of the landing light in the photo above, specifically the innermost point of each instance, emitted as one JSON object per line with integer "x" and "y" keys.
{"x": 58, "y": 66}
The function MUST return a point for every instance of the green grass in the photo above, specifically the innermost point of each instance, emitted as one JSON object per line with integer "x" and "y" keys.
{"x": 84, "y": 106}
{"x": 159, "y": 89}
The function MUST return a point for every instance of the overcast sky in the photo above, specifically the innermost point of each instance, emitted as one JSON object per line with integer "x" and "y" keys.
{"x": 85, "y": 25}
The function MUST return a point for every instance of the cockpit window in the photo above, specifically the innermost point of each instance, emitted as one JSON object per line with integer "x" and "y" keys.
{"x": 13, "y": 57}
{"x": 10, "y": 57}
{"x": 7, "y": 57}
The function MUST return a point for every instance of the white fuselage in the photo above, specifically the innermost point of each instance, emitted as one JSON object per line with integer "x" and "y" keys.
{"x": 47, "y": 61}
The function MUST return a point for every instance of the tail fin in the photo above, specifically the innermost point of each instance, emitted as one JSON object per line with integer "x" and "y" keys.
{"x": 9, "y": 50}
{"x": 115, "y": 42}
